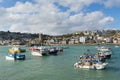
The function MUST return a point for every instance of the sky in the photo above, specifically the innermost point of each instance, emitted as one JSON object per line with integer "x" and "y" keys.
{"x": 55, "y": 17}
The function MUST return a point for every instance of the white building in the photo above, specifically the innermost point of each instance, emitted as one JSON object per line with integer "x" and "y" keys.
{"x": 108, "y": 40}
{"x": 72, "y": 41}
{"x": 52, "y": 41}
{"x": 82, "y": 39}
{"x": 115, "y": 40}
{"x": 100, "y": 38}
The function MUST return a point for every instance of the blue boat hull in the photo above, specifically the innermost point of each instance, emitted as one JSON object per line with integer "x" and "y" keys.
{"x": 15, "y": 56}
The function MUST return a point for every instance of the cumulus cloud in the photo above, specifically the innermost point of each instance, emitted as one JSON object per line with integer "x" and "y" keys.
{"x": 106, "y": 20}
{"x": 75, "y": 6}
{"x": 110, "y": 3}
{"x": 90, "y": 21}
{"x": 47, "y": 17}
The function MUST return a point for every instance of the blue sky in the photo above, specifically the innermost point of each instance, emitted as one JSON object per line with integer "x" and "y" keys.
{"x": 58, "y": 16}
{"x": 111, "y": 11}
{"x": 10, "y": 3}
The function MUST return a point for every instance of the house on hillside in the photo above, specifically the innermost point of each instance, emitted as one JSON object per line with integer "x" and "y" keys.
{"x": 108, "y": 40}
{"x": 71, "y": 41}
{"x": 83, "y": 39}
{"x": 115, "y": 40}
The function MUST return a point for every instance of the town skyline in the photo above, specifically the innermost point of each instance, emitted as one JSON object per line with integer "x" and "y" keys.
{"x": 82, "y": 37}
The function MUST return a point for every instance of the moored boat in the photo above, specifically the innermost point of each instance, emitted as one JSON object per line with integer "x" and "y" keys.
{"x": 91, "y": 61}
{"x": 40, "y": 51}
{"x": 106, "y": 54}
{"x": 59, "y": 49}
{"x": 100, "y": 66}
{"x": 16, "y": 49}
{"x": 33, "y": 48}
{"x": 89, "y": 65}
{"x": 15, "y": 56}
{"x": 103, "y": 48}
{"x": 117, "y": 46}
{"x": 36, "y": 53}
{"x": 53, "y": 51}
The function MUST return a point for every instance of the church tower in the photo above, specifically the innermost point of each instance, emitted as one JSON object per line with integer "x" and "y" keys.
{"x": 40, "y": 38}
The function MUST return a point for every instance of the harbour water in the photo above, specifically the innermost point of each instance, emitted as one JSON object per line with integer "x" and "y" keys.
{"x": 58, "y": 67}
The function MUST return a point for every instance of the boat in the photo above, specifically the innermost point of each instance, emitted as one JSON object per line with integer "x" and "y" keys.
{"x": 103, "y": 48}
{"x": 36, "y": 53}
{"x": 40, "y": 51}
{"x": 53, "y": 51}
{"x": 89, "y": 65}
{"x": 33, "y": 48}
{"x": 117, "y": 46}
{"x": 91, "y": 62}
{"x": 105, "y": 54}
{"x": 100, "y": 66}
{"x": 108, "y": 56}
{"x": 79, "y": 65}
{"x": 59, "y": 49}
{"x": 15, "y": 56}
{"x": 16, "y": 49}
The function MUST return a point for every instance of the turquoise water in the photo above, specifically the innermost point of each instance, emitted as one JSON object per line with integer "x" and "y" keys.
{"x": 57, "y": 67}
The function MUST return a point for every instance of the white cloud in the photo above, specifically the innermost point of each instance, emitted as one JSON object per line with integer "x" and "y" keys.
{"x": 106, "y": 20}
{"x": 90, "y": 21}
{"x": 75, "y": 6}
{"x": 45, "y": 17}
{"x": 110, "y": 3}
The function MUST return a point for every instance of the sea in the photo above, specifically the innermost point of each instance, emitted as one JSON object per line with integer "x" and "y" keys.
{"x": 58, "y": 67}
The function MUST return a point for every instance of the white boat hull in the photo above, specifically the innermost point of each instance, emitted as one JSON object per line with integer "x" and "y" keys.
{"x": 100, "y": 66}
{"x": 84, "y": 67}
{"x": 94, "y": 66}
{"x": 9, "y": 58}
{"x": 36, "y": 53}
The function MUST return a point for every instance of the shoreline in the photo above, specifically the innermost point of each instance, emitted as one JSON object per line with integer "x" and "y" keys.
{"x": 87, "y": 44}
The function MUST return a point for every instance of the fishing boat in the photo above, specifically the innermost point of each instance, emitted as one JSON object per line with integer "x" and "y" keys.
{"x": 89, "y": 65}
{"x": 105, "y": 52}
{"x": 103, "y": 48}
{"x": 15, "y": 56}
{"x": 79, "y": 65}
{"x": 100, "y": 66}
{"x": 59, "y": 49}
{"x": 40, "y": 51}
{"x": 16, "y": 49}
{"x": 53, "y": 51}
{"x": 33, "y": 48}
{"x": 88, "y": 61}
{"x": 117, "y": 46}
